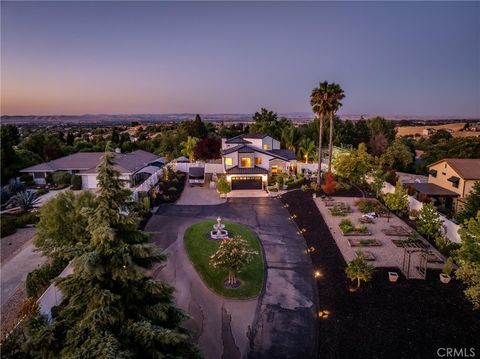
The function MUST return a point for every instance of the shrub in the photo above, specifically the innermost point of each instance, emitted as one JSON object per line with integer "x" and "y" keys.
{"x": 25, "y": 200}
{"x": 330, "y": 185}
{"x": 367, "y": 206}
{"x": 7, "y": 226}
{"x": 39, "y": 279}
{"x": 172, "y": 189}
{"x": 304, "y": 188}
{"x": 28, "y": 218}
{"x": 346, "y": 226}
{"x": 15, "y": 186}
{"x": 146, "y": 203}
{"x": 280, "y": 181}
{"x": 448, "y": 267}
{"x": 76, "y": 182}
{"x": 446, "y": 246}
{"x": 174, "y": 180}
{"x": 314, "y": 186}
{"x": 42, "y": 191}
{"x": 61, "y": 178}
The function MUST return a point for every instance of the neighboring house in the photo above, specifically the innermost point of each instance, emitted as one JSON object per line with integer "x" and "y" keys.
{"x": 134, "y": 167}
{"x": 449, "y": 181}
{"x": 248, "y": 160}
{"x": 428, "y": 131}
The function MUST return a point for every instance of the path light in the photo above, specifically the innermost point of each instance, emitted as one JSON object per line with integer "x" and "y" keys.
{"x": 303, "y": 230}
{"x": 323, "y": 314}
{"x": 311, "y": 249}
{"x": 317, "y": 274}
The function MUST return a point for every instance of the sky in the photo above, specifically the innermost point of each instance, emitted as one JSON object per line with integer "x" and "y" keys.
{"x": 391, "y": 58}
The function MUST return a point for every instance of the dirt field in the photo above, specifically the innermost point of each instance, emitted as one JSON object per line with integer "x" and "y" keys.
{"x": 455, "y": 127}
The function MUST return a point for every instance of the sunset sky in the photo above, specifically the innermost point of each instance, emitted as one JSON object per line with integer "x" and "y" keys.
{"x": 415, "y": 58}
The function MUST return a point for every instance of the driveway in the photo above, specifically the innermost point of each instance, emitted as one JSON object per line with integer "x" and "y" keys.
{"x": 281, "y": 322}
{"x": 199, "y": 195}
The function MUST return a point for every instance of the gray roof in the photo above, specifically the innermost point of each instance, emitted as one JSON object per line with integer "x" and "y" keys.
{"x": 246, "y": 171}
{"x": 255, "y": 135}
{"x": 87, "y": 162}
{"x": 285, "y": 155}
{"x": 431, "y": 189}
{"x": 243, "y": 138}
{"x": 288, "y": 154}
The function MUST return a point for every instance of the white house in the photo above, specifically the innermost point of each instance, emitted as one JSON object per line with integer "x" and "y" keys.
{"x": 134, "y": 167}
{"x": 248, "y": 160}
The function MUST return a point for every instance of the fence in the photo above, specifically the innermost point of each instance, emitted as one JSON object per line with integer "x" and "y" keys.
{"x": 149, "y": 183}
{"x": 52, "y": 296}
{"x": 450, "y": 227}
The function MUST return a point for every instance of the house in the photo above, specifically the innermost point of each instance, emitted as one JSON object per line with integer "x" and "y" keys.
{"x": 249, "y": 160}
{"x": 428, "y": 131}
{"x": 134, "y": 167}
{"x": 449, "y": 181}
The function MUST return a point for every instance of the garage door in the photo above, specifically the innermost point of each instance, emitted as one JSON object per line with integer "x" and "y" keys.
{"x": 246, "y": 182}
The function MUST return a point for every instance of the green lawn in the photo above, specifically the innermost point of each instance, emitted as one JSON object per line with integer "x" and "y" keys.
{"x": 200, "y": 248}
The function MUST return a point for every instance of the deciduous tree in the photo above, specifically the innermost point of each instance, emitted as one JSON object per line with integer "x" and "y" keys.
{"x": 429, "y": 221}
{"x": 358, "y": 269}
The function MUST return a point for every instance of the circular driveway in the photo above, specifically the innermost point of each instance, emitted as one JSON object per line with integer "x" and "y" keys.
{"x": 281, "y": 322}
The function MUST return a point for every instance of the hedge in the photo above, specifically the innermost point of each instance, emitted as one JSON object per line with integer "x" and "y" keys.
{"x": 39, "y": 279}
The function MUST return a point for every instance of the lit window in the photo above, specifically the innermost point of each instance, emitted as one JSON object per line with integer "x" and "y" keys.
{"x": 276, "y": 169}
{"x": 258, "y": 161}
{"x": 228, "y": 161}
{"x": 246, "y": 162}
{"x": 265, "y": 146}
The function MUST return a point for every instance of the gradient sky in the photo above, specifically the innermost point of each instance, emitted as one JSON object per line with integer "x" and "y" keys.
{"x": 402, "y": 58}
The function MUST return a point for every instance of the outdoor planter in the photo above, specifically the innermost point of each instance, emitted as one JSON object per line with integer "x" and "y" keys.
{"x": 364, "y": 243}
{"x": 392, "y": 276}
{"x": 356, "y": 234}
{"x": 445, "y": 278}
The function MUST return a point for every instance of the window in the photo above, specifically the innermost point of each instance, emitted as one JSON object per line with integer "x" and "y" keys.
{"x": 265, "y": 146}
{"x": 258, "y": 161}
{"x": 228, "y": 161}
{"x": 276, "y": 169}
{"x": 246, "y": 162}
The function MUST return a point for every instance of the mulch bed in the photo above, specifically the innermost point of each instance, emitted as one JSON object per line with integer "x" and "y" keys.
{"x": 406, "y": 319}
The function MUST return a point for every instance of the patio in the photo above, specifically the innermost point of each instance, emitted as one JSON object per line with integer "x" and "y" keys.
{"x": 384, "y": 241}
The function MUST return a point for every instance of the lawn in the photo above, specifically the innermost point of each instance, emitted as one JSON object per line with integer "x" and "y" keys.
{"x": 199, "y": 249}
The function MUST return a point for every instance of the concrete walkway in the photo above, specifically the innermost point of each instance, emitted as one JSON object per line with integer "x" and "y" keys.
{"x": 14, "y": 271}
{"x": 282, "y": 322}
{"x": 199, "y": 195}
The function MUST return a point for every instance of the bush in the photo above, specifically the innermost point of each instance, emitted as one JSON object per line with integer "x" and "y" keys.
{"x": 304, "y": 188}
{"x": 314, "y": 186}
{"x": 446, "y": 246}
{"x": 41, "y": 192}
{"x": 76, "y": 182}
{"x": 41, "y": 278}
{"x": 172, "y": 189}
{"x": 367, "y": 206}
{"x": 7, "y": 226}
{"x": 61, "y": 178}
{"x": 346, "y": 226}
{"x": 28, "y": 218}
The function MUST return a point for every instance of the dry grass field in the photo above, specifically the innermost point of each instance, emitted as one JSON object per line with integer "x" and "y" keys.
{"x": 418, "y": 130}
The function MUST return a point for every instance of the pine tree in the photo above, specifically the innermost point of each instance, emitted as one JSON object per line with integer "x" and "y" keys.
{"x": 112, "y": 308}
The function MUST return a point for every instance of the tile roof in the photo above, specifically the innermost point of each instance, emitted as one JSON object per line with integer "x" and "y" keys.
{"x": 246, "y": 171}
{"x": 432, "y": 189}
{"x": 467, "y": 168}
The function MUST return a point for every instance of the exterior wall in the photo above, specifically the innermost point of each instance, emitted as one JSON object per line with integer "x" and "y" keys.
{"x": 89, "y": 181}
{"x": 255, "y": 142}
{"x": 469, "y": 186}
{"x": 265, "y": 160}
{"x": 282, "y": 165}
{"x": 444, "y": 172}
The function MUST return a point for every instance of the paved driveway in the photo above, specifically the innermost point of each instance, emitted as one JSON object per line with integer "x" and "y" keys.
{"x": 281, "y": 323}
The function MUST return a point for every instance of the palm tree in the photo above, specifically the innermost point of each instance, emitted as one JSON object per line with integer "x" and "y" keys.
{"x": 320, "y": 106}
{"x": 189, "y": 147}
{"x": 289, "y": 137}
{"x": 335, "y": 95}
{"x": 306, "y": 148}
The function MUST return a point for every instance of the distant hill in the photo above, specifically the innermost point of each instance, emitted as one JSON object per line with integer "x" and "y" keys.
{"x": 106, "y": 119}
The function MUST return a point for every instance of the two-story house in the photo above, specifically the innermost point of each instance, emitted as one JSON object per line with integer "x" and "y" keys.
{"x": 449, "y": 181}
{"x": 249, "y": 160}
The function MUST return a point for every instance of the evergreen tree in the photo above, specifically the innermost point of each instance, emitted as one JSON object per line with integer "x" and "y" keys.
{"x": 472, "y": 204}
{"x": 112, "y": 308}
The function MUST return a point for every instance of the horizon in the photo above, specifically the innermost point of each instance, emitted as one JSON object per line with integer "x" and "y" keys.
{"x": 392, "y": 59}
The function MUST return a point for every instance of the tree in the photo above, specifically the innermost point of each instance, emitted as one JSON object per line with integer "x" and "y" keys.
{"x": 397, "y": 156}
{"x": 378, "y": 144}
{"x": 354, "y": 164}
{"x": 306, "y": 148}
{"x": 330, "y": 184}
{"x": 267, "y": 122}
{"x": 9, "y": 159}
{"x": 336, "y": 94}
{"x": 471, "y": 205}
{"x": 440, "y": 135}
{"x": 429, "y": 221}
{"x": 398, "y": 200}
{"x": 233, "y": 254}
{"x": 290, "y": 138}
{"x": 379, "y": 125}
{"x": 60, "y": 233}
{"x": 26, "y": 200}
{"x": 320, "y": 106}
{"x": 358, "y": 269}
{"x": 468, "y": 259}
{"x": 378, "y": 177}
{"x": 70, "y": 139}
{"x": 207, "y": 148}
{"x": 188, "y": 147}
{"x": 222, "y": 186}
{"x": 112, "y": 308}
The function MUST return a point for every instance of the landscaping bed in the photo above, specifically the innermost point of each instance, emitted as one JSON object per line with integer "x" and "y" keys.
{"x": 406, "y": 319}
{"x": 169, "y": 189}
{"x": 364, "y": 243}
{"x": 199, "y": 249}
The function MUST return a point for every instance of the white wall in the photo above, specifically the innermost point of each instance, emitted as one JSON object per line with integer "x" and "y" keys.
{"x": 52, "y": 296}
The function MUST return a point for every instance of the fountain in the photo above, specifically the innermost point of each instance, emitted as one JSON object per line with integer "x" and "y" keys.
{"x": 218, "y": 230}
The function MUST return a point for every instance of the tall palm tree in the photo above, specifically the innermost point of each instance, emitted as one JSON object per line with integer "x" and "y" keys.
{"x": 289, "y": 137}
{"x": 335, "y": 95}
{"x": 306, "y": 148}
{"x": 320, "y": 106}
